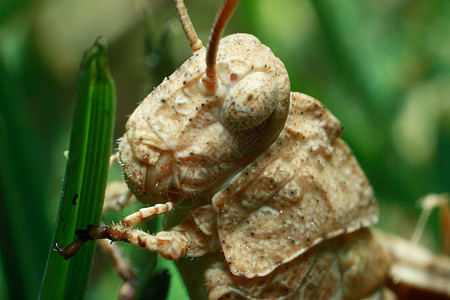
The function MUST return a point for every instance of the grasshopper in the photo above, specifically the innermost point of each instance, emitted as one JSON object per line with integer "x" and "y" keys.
{"x": 282, "y": 208}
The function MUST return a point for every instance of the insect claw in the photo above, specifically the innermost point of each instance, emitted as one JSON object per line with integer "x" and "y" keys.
{"x": 69, "y": 251}
{"x": 83, "y": 236}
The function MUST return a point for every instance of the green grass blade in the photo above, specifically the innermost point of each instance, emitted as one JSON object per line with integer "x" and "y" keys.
{"x": 21, "y": 191}
{"x": 85, "y": 178}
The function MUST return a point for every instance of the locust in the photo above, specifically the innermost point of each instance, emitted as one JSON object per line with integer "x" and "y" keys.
{"x": 281, "y": 209}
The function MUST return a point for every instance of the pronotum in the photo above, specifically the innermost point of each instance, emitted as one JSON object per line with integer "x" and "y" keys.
{"x": 282, "y": 207}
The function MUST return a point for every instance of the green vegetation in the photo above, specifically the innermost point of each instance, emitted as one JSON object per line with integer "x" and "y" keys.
{"x": 382, "y": 67}
{"x": 86, "y": 176}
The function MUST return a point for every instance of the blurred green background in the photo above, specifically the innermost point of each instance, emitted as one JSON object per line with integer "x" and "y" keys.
{"x": 381, "y": 66}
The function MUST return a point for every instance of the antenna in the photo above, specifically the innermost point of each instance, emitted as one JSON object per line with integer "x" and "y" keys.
{"x": 210, "y": 81}
{"x": 189, "y": 30}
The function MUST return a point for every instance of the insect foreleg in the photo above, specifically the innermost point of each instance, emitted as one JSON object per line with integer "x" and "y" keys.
{"x": 145, "y": 213}
{"x": 185, "y": 239}
{"x": 113, "y": 158}
{"x": 170, "y": 245}
{"x": 123, "y": 268}
{"x": 117, "y": 196}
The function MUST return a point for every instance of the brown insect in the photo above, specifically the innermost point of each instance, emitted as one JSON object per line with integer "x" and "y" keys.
{"x": 281, "y": 205}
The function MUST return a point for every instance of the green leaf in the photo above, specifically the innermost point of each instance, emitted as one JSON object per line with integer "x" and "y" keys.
{"x": 85, "y": 179}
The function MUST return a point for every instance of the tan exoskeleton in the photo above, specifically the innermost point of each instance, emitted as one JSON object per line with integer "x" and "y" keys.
{"x": 281, "y": 205}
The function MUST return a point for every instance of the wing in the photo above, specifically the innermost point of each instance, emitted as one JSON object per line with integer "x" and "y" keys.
{"x": 351, "y": 266}
{"x": 305, "y": 188}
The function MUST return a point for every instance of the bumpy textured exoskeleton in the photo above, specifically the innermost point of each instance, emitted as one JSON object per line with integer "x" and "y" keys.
{"x": 281, "y": 205}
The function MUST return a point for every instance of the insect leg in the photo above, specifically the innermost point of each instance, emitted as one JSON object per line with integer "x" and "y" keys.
{"x": 185, "y": 239}
{"x": 144, "y": 213}
{"x": 170, "y": 244}
{"x": 113, "y": 158}
{"x": 117, "y": 196}
{"x": 122, "y": 267}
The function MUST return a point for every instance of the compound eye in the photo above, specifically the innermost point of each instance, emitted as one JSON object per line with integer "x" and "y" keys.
{"x": 250, "y": 102}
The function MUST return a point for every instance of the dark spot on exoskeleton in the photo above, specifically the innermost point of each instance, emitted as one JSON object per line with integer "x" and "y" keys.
{"x": 233, "y": 76}
{"x": 141, "y": 242}
{"x": 252, "y": 233}
{"x": 250, "y": 97}
{"x": 163, "y": 100}
{"x": 74, "y": 199}
{"x": 184, "y": 82}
